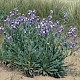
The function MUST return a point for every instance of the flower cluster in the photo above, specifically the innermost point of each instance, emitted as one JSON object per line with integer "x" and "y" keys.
{"x": 46, "y": 25}
{"x": 43, "y": 25}
{"x": 72, "y": 34}
{"x": 10, "y": 18}
{"x": 15, "y": 18}
{"x": 61, "y": 28}
{"x": 32, "y": 16}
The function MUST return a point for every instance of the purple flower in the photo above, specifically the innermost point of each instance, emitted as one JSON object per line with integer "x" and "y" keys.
{"x": 56, "y": 24}
{"x": 32, "y": 17}
{"x": 43, "y": 32}
{"x": 60, "y": 29}
{"x": 15, "y": 11}
{"x": 1, "y": 28}
{"x": 75, "y": 38}
{"x": 50, "y": 17}
{"x": 72, "y": 44}
{"x": 50, "y": 24}
{"x": 15, "y": 24}
{"x": 8, "y": 37}
{"x": 44, "y": 26}
{"x": 12, "y": 14}
{"x": 72, "y": 34}
{"x": 72, "y": 31}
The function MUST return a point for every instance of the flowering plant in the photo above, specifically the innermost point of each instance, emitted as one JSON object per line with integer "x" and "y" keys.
{"x": 36, "y": 45}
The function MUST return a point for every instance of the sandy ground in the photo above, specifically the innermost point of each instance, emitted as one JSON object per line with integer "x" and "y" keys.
{"x": 73, "y": 74}
{"x": 8, "y": 75}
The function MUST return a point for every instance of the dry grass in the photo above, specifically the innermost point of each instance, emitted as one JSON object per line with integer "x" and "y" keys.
{"x": 24, "y": 5}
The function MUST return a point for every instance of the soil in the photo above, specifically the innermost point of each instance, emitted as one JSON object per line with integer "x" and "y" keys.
{"x": 13, "y": 75}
